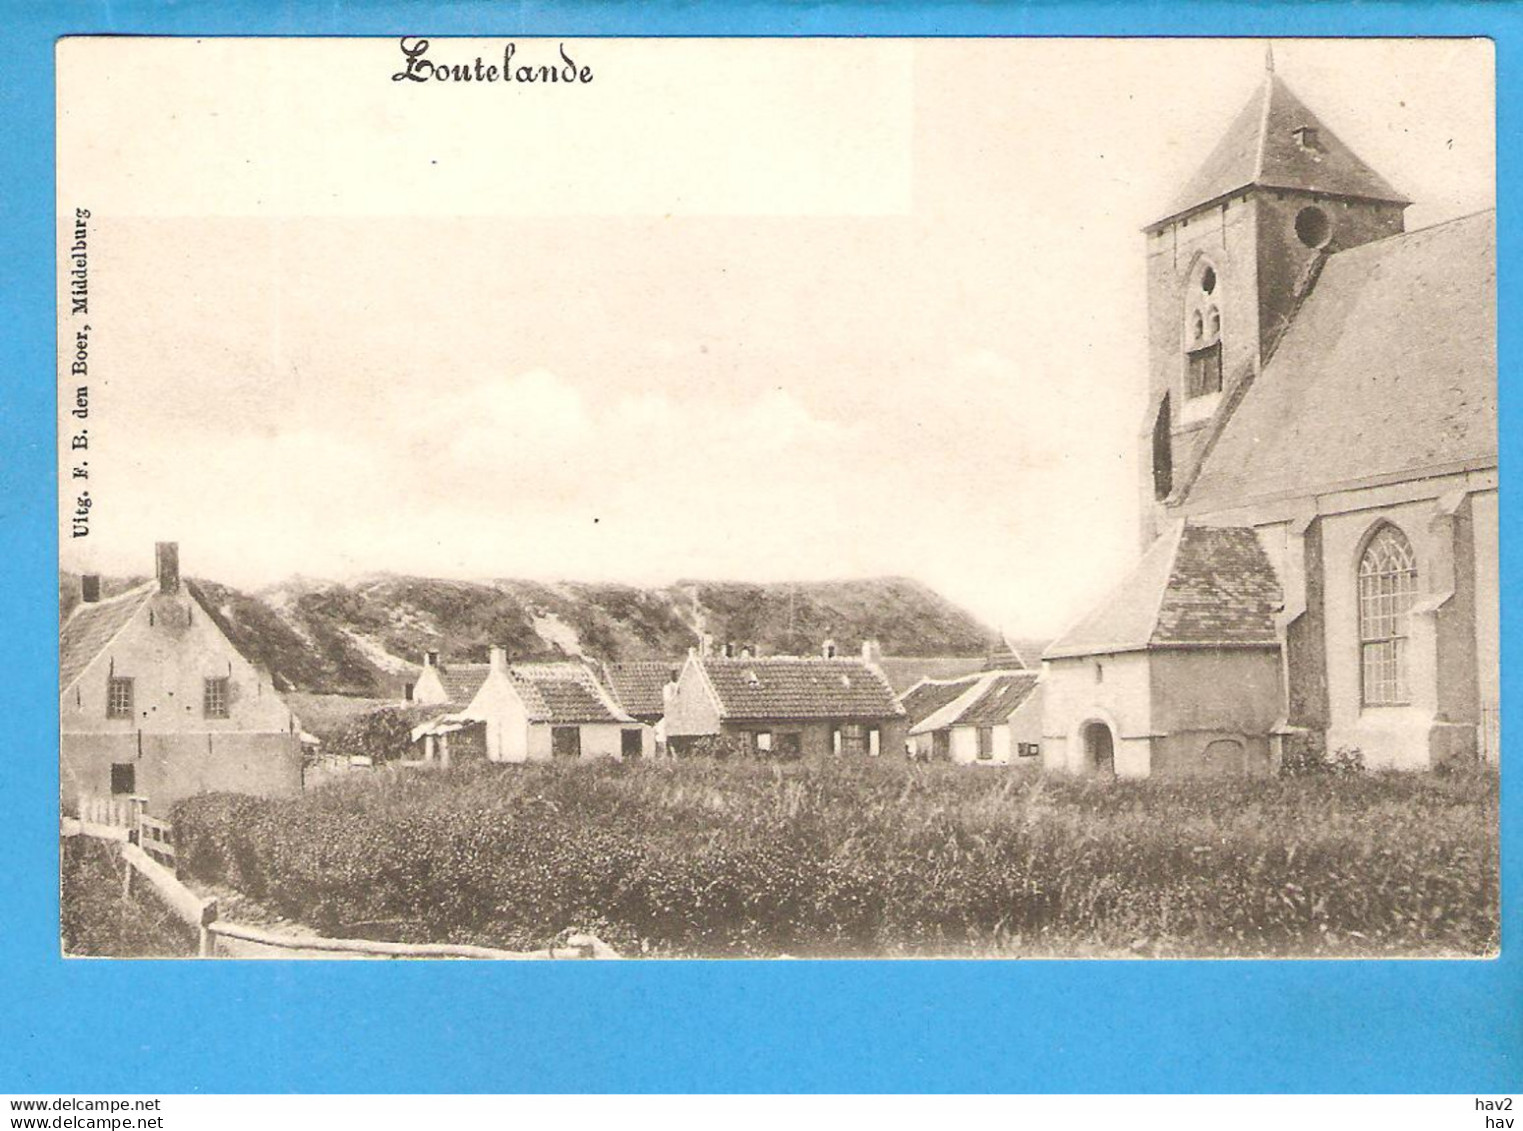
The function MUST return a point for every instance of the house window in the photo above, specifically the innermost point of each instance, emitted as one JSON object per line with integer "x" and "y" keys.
{"x": 1029, "y": 749}
{"x": 630, "y": 743}
{"x": 214, "y": 698}
{"x": 985, "y": 744}
{"x": 874, "y": 742}
{"x": 1204, "y": 374}
{"x": 123, "y": 778}
{"x": 1387, "y": 589}
{"x": 790, "y": 744}
{"x": 566, "y": 742}
{"x": 853, "y": 740}
{"x": 119, "y": 697}
{"x": 764, "y": 742}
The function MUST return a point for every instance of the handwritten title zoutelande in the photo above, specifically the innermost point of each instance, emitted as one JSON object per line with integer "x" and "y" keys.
{"x": 418, "y": 67}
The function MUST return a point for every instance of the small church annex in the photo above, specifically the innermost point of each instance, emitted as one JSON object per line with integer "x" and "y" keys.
{"x": 1319, "y": 520}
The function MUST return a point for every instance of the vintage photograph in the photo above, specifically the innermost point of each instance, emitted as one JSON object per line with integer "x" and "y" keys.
{"x": 764, "y": 498}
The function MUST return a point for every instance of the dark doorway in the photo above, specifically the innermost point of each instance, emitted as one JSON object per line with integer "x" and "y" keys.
{"x": 566, "y": 742}
{"x": 1099, "y": 749}
{"x": 123, "y": 778}
{"x": 629, "y": 743}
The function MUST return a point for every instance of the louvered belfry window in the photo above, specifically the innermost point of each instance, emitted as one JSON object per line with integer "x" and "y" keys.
{"x": 1387, "y": 589}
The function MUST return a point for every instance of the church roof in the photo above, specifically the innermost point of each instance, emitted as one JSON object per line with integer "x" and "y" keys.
{"x": 1265, "y": 147}
{"x": 1389, "y": 370}
{"x": 1196, "y": 586}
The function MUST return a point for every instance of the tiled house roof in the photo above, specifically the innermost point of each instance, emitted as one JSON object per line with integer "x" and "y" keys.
{"x": 90, "y": 628}
{"x": 988, "y": 700}
{"x": 637, "y": 686}
{"x": 1195, "y": 586}
{"x": 1261, "y": 148}
{"x": 462, "y": 681}
{"x": 791, "y": 687}
{"x": 564, "y": 693}
{"x": 1390, "y": 369}
{"x": 929, "y": 696}
{"x": 998, "y": 699}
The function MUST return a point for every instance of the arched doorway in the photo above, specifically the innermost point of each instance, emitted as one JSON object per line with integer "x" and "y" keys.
{"x": 1099, "y": 749}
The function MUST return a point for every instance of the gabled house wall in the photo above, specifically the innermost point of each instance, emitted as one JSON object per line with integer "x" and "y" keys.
{"x": 168, "y": 648}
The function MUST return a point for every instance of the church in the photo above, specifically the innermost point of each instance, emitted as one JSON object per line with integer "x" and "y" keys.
{"x": 1319, "y": 513}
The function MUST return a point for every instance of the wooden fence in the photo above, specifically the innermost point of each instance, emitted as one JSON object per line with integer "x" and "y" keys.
{"x": 118, "y": 811}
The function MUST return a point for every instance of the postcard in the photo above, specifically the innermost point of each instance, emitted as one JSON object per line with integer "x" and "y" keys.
{"x": 599, "y": 498}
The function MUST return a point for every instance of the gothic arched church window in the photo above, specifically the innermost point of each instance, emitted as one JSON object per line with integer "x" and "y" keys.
{"x": 1387, "y": 590}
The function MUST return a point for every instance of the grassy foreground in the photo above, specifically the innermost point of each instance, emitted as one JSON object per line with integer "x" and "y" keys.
{"x": 732, "y": 860}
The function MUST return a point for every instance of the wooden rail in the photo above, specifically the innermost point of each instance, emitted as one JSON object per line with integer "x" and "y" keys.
{"x": 156, "y": 838}
{"x": 577, "y": 946}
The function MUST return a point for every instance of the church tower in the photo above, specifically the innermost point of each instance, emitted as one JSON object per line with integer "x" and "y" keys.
{"x": 1229, "y": 265}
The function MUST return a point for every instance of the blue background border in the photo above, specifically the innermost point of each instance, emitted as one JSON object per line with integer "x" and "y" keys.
{"x": 469, "y": 1027}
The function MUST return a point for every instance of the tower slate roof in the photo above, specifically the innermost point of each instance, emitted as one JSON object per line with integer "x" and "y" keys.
{"x": 1265, "y": 147}
{"x": 1389, "y": 371}
{"x": 1197, "y": 586}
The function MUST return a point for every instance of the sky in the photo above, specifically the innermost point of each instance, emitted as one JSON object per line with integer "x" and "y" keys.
{"x": 750, "y": 310}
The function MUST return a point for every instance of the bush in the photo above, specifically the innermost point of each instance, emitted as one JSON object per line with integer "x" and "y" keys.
{"x": 384, "y": 735}
{"x": 739, "y": 857}
{"x": 1308, "y": 757}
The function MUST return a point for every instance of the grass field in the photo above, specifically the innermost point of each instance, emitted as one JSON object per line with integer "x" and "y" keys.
{"x": 739, "y": 859}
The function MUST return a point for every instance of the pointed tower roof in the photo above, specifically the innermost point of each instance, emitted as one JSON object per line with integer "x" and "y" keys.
{"x": 1276, "y": 142}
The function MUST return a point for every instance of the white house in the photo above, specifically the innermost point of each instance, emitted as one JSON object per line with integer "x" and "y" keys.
{"x": 538, "y": 712}
{"x": 992, "y": 718}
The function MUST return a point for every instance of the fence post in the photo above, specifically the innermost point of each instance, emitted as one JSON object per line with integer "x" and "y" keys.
{"x": 206, "y": 946}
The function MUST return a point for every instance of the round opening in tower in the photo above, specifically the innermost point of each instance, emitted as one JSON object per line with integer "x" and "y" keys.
{"x": 1208, "y": 280}
{"x": 1313, "y": 227}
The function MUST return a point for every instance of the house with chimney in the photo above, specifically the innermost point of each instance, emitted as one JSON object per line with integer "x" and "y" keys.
{"x": 156, "y": 702}
{"x": 1319, "y": 456}
{"x": 536, "y": 712}
{"x": 440, "y": 684}
{"x": 787, "y": 707}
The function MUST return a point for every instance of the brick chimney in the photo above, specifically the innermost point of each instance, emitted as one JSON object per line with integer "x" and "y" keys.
{"x": 499, "y": 658}
{"x": 89, "y": 588}
{"x": 828, "y": 650}
{"x": 430, "y": 659}
{"x": 871, "y": 651}
{"x": 167, "y": 562}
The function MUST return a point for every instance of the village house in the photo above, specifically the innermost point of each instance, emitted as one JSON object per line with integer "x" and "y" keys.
{"x": 989, "y": 719}
{"x": 441, "y": 684}
{"x": 1320, "y": 480}
{"x": 536, "y": 712}
{"x": 156, "y": 702}
{"x": 639, "y": 687}
{"x": 787, "y": 706}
